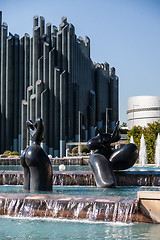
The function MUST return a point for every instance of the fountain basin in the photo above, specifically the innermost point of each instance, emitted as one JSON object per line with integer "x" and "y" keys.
{"x": 72, "y": 207}
{"x": 120, "y": 191}
{"x": 149, "y": 204}
{"x": 86, "y": 178}
{"x": 54, "y": 168}
{"x": 137, "y": 168}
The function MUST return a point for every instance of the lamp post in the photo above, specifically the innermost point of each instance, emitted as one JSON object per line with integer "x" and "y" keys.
{"x": 107, "y": 117}
{"x": 79, "y": 130}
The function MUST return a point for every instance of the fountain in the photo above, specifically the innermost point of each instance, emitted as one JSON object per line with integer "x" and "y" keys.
{"x": 109, "y": 209}
{"x": 104, "y": 206}
{"x": 157, "y": 151}
{"x": 142, "y": 152}
{"x": 131, "y": 139}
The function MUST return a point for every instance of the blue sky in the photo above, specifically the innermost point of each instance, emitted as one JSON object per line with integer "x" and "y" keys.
{"x": 124, "y": 33}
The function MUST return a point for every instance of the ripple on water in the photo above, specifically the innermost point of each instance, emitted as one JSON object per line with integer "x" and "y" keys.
{"x": 40, "y": 228}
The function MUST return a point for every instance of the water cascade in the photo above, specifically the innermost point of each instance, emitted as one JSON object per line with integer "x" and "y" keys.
{"x": 86, "y": 178}
{"x": 157, "y": 151}
{"x": 109, "y": 209}
{"x": 142, "y": 152}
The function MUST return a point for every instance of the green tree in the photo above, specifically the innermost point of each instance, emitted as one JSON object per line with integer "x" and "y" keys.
{"x": 136, "y": 132}
{"x": 123, "y": 124}
{"x": 74, "y": 150}
{"x": 15, "y": 153}
{"x": 7, "y": 153}
{"x": 150, "y": 134}
{"x": 84, "y": 149}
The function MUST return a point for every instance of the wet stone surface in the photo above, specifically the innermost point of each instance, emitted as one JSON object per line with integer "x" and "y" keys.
{"x": 86, "y": 178}
{"x": 75, "y": 207}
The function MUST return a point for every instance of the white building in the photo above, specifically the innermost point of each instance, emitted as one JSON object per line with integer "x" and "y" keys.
{"x": 143, "y": 110}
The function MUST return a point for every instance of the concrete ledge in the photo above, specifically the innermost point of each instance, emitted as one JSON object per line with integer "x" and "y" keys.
{"x": 10, "y": 161}
{"x": 54, "y": 161}
{"x": 138, "y": 178}
{"x": 149, "y": 204}
{"x": 67, "y": 206}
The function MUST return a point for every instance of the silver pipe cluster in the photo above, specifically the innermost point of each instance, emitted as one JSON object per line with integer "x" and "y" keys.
{"x": 52, "y": 76}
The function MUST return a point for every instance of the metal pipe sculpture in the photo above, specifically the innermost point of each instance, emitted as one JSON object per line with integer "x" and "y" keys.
{"x": 51, "y": 65}
{"x": 105, "y": 160}
{"x": 35, "y": 162}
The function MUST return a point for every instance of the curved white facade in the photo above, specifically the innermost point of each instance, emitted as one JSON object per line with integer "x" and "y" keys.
{"x": 143, "y": 110}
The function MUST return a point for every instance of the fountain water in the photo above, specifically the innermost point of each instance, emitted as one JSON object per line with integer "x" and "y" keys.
{"x": 142, "y": 152}
{"x": 85, "y": 178}
{"x": 110, "y": 209}
{"x": 131, "y": 139}
{"x": 157, "y": 151}
{"x": 74, "y": 206}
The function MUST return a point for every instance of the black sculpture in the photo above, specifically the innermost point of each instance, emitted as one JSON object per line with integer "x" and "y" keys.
{"x": 35, "y": 162}
{"x": 106, "y": 159}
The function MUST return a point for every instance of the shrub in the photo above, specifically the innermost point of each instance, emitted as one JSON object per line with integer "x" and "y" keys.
{"x": 74, "y": 150}
{"x": 7, "y": 153}
{"x": 84, "y": 149}
{"x": 15, "y": 153}
{"x": 123, "y": 131}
